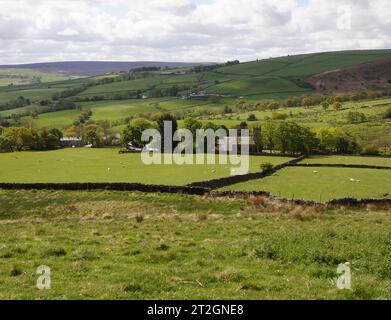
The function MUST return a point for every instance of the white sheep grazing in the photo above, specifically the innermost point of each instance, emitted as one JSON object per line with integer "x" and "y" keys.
{"x": 316, "y": 171}
{"x": 109, "y": 169}
{"x": 352, "y": 180}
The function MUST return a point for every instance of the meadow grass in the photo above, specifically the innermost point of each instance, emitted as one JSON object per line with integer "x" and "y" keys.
{"x": 372, "y": 161}
{"x": 130, "y": 85}
{"x": 113, "y": 110}
{"x": 106, "y": 165}
{"x": 32, "y": 94}
{"x": 120, "y": 245}
{"x": 257, "y": 85}
{"x": 29, "y": 74}
{"x": 304, "y": 65}
{"x": 322, "y": 184}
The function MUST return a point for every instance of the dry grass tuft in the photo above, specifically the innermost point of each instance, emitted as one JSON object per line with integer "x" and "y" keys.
{"x": 227, "y": 275}
{"x": 201, "y": 217}
{"x": 303, "y": 213}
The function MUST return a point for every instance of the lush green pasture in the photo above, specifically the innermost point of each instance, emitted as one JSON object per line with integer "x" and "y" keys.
{"x": 372, "y": 161}
{"x": 321, "y": 184}
{"x": 305, "y": 65}
{"x": 23, "y": 76}
{"x": 60, "y": 119}
{"x": 257, "y": 86}
{"x": 106, "y": 165}
{"x": 32, "y": 94}
{"x": 23, "y": 110}
{"x": 131, "y": 85}
{"x": 186, "y": 247}
{"x": 102, "y": 110}
{"x": 115, "y": 110}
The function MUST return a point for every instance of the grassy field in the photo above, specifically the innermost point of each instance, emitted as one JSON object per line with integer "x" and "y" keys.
{"x": 373, "y": 161}
{"x": 115, "y": 110}
{"x": 258, "y": 86}
{"x": 91, "y": 165}
{"x": 307, "y": 64}
{"x": 131, "y": 85}
{"x": 116, "y": 245}
{"x": 22, "y": 76}
{"x": 32, "y": 94}
{"x": 254, "y": 81}
{"x": 322, "y": 185}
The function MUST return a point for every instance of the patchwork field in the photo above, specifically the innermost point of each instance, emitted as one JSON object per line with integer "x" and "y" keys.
{"x": 112, "y": 110}
{"x": 116, "y": 245}
{"x": 106, "y": 165}
{"x": 21, "y": 76}
{"x": 322, "y": 184}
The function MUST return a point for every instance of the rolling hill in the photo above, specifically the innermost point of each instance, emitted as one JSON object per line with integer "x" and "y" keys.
{"x": 93, "y": 68}
{"x": 115, "y": 99}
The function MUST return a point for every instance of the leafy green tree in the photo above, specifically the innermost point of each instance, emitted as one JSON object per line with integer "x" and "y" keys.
{"x": 5, "y": 144}
{"x": 325, "y": 105}
{"x": 387, "y": 114}
{"x": 133, "y": 132}
{"x": 93, "y": 134}
{"x": 337, "y": 105}
{"x": 326, "y": 140}
{"x": 295, "y": 139}
{"x": 193, "y": 125}
{"x": 308, "y": 102}
{"x": 356, "y": 117}
{"x": 267, "y": 168}
{"x": 167, "y": 117}
{"x": 55, "y": 132}
{"x": 257, "y": 138}
{"x": 252, "y": 117}
{"x": 269, "y": 135}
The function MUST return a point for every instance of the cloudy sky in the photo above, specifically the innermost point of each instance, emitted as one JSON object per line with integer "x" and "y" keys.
{"x": 187, "y": 30}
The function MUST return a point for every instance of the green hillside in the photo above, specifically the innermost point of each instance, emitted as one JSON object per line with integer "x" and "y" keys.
{"x": 276, "y": 78}
{"x": 24, "y": 76}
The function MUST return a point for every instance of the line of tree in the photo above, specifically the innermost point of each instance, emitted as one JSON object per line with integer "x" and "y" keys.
{"x": 45, "y": 106}
{"x": 22, "y": 138}
{"x": 284, "y": 137}
{"x": 19, "y": 102}
{"x": 277, "y": 137}
{"x": 172, "y": 91}
{"x": 133, "y": 131}
{"x": 70, "y": 92}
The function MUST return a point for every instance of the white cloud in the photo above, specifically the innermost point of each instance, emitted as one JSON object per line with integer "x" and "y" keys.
{"x": 185, "y": 30}
{"x": 68, "y": 32}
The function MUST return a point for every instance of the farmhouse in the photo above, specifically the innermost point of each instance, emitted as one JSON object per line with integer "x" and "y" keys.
{"x": 228, "y": 144}
{"x": 198, "y": 96}
{"x": 69, "y": 142}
